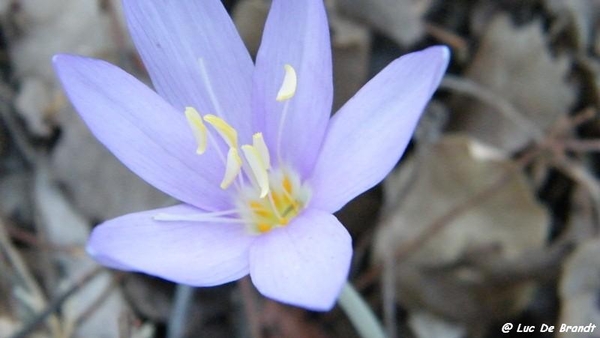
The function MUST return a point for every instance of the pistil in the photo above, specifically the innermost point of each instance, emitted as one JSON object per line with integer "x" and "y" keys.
{"x": 275, "y": 195}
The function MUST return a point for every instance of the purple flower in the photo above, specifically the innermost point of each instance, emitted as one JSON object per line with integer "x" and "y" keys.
{"x": 248, "y": 148}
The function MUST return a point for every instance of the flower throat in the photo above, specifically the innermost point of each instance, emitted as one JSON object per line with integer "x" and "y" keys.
{"x": 267, "y": 197}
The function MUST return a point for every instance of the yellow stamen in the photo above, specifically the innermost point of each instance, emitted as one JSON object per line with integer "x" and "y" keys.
{"x": 198, "y": 129}
{"x": 259, "y": 210}
{"x": 233, "y": 167}
{"x": 259, "y": 143}
{"x": 277, "y": 202}
{"x": 226, "y": 131}
{"x": 258, "y": 169}
{"x": 288, "y": 87}
{"x": 263, "y": 227}
{"x": 287, "y": 185}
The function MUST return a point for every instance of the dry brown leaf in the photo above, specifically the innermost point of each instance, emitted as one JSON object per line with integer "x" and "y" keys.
{"x": 58, "y": 26}
{"x": 450, "y": 267}
{"x": 63, "y": 226}
{"x": 100, "y": 186}
{"x": 400, "y": 20}
{"x": 249, "y": 17}
{"x": 583, "y": 17}
{"x": 48, "y": 27}
{"x": 33, "y": 102}
{"x": 515, "y": 64}
{"x": 351, "y": 44}
{"x": 289, "y": 322}
{"x": 15, "y": 194}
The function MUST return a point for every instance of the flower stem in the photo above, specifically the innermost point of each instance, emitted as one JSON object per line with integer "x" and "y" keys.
{"x": 184, "y": 296}
{"x": 359, "y": 313}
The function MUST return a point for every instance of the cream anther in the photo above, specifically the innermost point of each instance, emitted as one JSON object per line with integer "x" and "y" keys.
{"x": 226, "y": 131}
{"x": 288, "y": 87}
{"x": 259, "y": 171}
{"x": 198, "y": 129}
{"x": 232, "y": 168}
{"x": 259, "y": 143}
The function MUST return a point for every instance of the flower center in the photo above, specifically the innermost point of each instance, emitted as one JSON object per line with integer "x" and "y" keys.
{"x": 286, "y": 198}
{"x": 267, "y": 197}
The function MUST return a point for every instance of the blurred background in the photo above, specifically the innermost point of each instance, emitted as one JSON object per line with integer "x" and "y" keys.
{"x": 491, "y": 216}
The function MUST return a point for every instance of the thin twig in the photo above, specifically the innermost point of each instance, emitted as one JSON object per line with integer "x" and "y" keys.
{"x": 100, "y": 299}
{"x": 505, "y": 107}
{"x": 55, "y": 305}
{"x": 582, "y": 146}
{"x": 16, "y": 130}
{"x": 456, "y": 42}
{"x": 30, "y": 285}
{"x": 31, "y": 239}
{"x": 581, "y": 175}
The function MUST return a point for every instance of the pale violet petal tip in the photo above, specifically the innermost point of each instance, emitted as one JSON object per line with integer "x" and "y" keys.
{"x": 369, "y": 134}
{"x": 296, "y": 34}
{"x": 142, "y": 130}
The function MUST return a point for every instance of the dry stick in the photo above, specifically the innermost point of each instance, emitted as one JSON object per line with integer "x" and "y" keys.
{"x": 56, "y": 304}
{"x": 583, "y": 146}
{"x": 505, "y": 107}
{"x": 582, "y": 176}
{"x": 126, "y": 60}
{"x": 31, "y": 287}
{"x": 568, "y": 167}
{"x": 32, "y": 240}
{"x": 100, "y": 299}
{"x": 456, "y": 42}
{"x": 17, "y": 132}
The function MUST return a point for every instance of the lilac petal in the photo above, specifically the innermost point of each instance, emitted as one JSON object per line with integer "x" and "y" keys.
{"x": 172, "y": 36}
{"x": 367, "y": 137}
{"x": 142, "y": 130}
{"x": 192, "y": 253}
{"x": 296, "y": 33}
{"x": 305, "y": 263}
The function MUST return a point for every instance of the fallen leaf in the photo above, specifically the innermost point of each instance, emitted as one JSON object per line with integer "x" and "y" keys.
{"x": 46, "y": 28}
{"x": 99, "y": 185}
{"x": 32, "y": 103}
{"x": 63, "y": 226}
{"x": 351, "y": 44}
{"x": 400, "y": 20}
{"x": 249, "y": 17}
{"x": 516, "y": 65}
{"x": 451, "y": 266}
{"x": 582, "y": 18}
